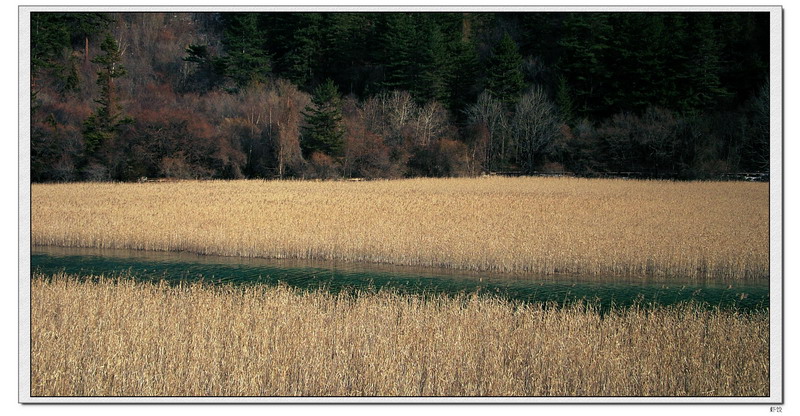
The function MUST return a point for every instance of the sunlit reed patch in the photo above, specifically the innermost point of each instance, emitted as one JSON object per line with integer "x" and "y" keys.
{"x": 118, "y": 337}
{"x": 539, "y": 225}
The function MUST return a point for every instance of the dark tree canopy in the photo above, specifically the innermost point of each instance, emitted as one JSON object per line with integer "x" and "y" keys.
{"x": 247, "y": 59}
{"x": 391, "y": 94}
{"x": 102, "y": 126}
{"x": 505, "y": 80}
{"x": 324, "y": 131}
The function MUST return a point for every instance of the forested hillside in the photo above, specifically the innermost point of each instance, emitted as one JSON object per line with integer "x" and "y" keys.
{"x": 122, "y": 96}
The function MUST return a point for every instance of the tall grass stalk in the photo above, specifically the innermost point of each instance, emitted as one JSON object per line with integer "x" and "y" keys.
{"x": 117, "y": 337}
{"x": 528, "y": 225}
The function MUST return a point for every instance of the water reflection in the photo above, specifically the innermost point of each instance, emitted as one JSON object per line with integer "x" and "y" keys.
{"x": 338, "y": 276}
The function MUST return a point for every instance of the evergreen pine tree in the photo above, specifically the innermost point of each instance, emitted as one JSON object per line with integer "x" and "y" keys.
{"x": 247, "y": 60}
{"x": 323, "y": 130}
{"x": 505, "y": 79}
{"x": 344, "y": 49}
{"x": 668, "y": 78}
{"x": 51, "y": 34}
{"x": 584, "y": 44}
{"x": 400, "y": 46}
{"x": 102, "y": 126}
{"x": 434, "y": 71}
{"x": 208, "y": 70}
{"x": 564, "y": 99}
{"x": 705, "y": 66}
{"x": 463, "y": 79}
{"x": 463, "y": 88}
{"x": 294, "y": 41}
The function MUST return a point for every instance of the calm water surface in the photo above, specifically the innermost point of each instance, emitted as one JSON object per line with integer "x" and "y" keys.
{"x": 338, "y": 276}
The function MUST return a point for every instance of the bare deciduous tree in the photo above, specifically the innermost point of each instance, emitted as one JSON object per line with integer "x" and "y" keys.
{"x": 291, "y": 101}
{"x": 430, "y": 123}
{"x": 760, "y": 129}
{"x": 389, "y": 114}
{"x": 533, "y": 126}
{"x": 267, "y": 121}
{"x": 489, "y": 113}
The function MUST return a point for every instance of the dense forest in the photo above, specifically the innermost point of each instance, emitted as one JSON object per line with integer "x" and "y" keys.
{"x": 122, "y": 96}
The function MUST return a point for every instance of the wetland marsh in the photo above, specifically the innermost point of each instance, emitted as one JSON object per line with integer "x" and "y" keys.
{"x": 515, "y": 287}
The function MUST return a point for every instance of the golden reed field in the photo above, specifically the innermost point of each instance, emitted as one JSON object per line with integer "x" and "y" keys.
{"x": 520, "y": 225}
{"x": 117, "y": 337}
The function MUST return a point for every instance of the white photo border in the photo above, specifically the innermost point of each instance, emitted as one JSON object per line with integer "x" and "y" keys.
{"x": 776, "y": 185}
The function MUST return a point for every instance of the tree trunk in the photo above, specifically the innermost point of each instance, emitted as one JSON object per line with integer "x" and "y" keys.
{"x": 466, "y": 27}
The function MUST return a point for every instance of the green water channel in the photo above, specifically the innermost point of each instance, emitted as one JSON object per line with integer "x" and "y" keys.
{"x": 337, "y": 276}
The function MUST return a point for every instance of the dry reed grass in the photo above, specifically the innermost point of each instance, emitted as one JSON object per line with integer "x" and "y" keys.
{"x": 529, "y": 225}
{"x": 117, "y": 337}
